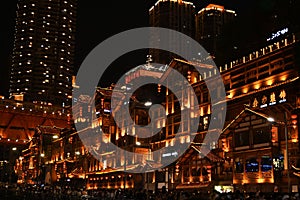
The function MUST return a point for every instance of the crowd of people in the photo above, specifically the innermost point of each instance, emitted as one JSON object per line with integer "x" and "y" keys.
{"x": 35, "y": 192}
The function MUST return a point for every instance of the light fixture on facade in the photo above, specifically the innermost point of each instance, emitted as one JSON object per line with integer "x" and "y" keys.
{"x": 148, "y": 103}
{"x": 271, "y": 119}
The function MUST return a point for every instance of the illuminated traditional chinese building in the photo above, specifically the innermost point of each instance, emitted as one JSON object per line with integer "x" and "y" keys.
{"x": 259, "y": 144}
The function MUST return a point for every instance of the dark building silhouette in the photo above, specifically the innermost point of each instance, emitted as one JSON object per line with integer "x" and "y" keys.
{"x": 177, "y": 15}
{"x": 210, "y": 22}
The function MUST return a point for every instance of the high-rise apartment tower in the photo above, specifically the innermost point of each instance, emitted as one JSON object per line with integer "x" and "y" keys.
{"x": 43, "y": 54}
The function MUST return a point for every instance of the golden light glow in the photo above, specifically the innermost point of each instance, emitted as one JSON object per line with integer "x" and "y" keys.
{"x": 230, "y": 96}
{"x": 123, "y": 132}
{"x": 163, "y": 123}
{"x": 192, "y": 114}
{"x": 257, "y": 86}
{"x": 270, "y": 82}
{"x": 261, "y": 180}
{"x": 188, "y": 139}
{"x": 182, "y": 140}
{"x": 158, "y": 124}
{"x": 172, "y": 142}
{"x": 245, "y": 90}
{"x": 295, "y": 140}
{"x": 201, "y": 111}
{"x": 283, "y": 78}
{"x": 208, "y": 110}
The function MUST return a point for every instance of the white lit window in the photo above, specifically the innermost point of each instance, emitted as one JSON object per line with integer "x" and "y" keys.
{"x": 64, "y": 10}
{"x": 31, "y": 21}
{"x": 62, "y": 58}
{"x": 24, "y": 6}
{"x": 46, "y": 56}
{"x": 43, "y": 90}
{"x": 63, "y": 33}
{"x": 30, "y": 38}
{"x": 23, "y": 30}
{"x": 65, "y": 2}
{"x": 47, "y": 31}
{"x": 61, "y": 67}
{"x": 24, "y": 14}
{"x": 71, "y": 13}
{"x": 32, "y": 13}
{"x": 20, "y": 63}
{"x": 18, "y": 81}
{"x": 33, "y": 4}
{"x": 59, "y": 92}
{"x": 48, "y": 15}
{"x": 21, "y": 47}
{"x": 63, "y": 42}
{"x": 65, "y": 18}
{"x": 49, "y": 7}
{"x": 26, "y": 89}
{"x": 64, "y": 25}
{"x": 60, "y": 83}
{"x": 29, "y": 54}
{"x": 31, "y": 29}
{"x": 60, "y": 75}
{"x": 27, "y": 80}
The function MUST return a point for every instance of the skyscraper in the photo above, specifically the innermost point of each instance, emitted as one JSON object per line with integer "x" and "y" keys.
{"x": 210, "y": 22}
{"x": 177, "y": 15}
{"x": 43, "y": 53}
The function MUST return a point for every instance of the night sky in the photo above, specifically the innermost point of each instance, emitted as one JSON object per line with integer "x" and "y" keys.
{"x": 98, "y": 20}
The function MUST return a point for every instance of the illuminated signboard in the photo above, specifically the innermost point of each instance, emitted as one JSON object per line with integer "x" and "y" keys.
{"x": 278, "y": 33}
{"x": 269, "y": 100}
{"x": 175, "y": 154}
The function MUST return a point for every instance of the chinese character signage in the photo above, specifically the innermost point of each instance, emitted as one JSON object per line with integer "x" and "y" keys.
{"x": 269, "y": 99}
